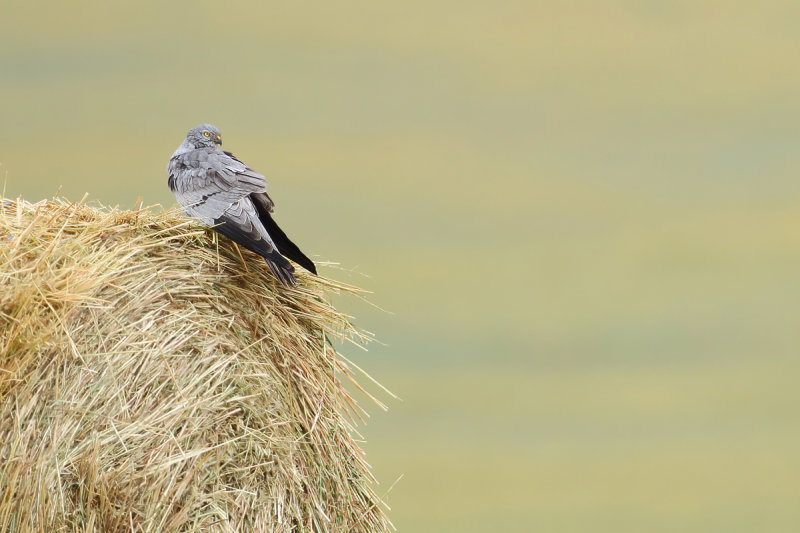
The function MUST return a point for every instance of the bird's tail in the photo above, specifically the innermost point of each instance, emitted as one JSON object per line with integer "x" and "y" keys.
{"x": 281, "y": 268}
{"x": 279, "y": 265}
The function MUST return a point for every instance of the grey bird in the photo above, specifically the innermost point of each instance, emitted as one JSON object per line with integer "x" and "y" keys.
{"x": 224, "y": 193}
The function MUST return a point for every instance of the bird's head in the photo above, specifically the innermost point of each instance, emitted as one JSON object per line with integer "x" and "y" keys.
{"x": 204, "y": 135}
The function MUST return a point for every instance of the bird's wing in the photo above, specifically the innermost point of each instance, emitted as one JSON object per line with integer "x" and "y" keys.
{"x": 286, "y": 247}
{"x": 241, "y": 224}
{"x": 208, "y": 182}
{"x": 216, "y": 188}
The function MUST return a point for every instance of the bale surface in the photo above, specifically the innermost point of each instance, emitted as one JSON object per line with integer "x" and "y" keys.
{"x": 152, "y": 379}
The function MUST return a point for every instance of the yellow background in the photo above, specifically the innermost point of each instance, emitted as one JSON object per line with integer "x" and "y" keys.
{"x": 583, "y": 215}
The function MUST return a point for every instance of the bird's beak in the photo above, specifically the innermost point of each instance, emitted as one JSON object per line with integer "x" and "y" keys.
{"x": 218, "y": 139}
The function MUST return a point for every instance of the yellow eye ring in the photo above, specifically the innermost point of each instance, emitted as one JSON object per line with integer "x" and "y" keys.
{"x": 205, "y": 133}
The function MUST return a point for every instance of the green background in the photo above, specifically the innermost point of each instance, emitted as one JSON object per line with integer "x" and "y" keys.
{"x": 583, "y": 217}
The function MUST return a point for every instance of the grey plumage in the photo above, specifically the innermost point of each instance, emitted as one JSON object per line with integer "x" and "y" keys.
{"x": 221, "y": 191}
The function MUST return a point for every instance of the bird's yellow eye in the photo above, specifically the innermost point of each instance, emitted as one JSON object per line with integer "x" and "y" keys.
{"x": 205, "y": 133}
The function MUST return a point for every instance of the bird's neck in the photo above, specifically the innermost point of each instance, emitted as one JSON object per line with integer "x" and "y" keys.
{"x": 186, "y": 146}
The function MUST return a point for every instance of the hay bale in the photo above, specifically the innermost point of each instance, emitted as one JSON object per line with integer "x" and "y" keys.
{"x": 148, "y": 382}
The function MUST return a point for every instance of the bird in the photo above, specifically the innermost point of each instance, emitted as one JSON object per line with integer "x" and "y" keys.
{"x": 223, "y": 193}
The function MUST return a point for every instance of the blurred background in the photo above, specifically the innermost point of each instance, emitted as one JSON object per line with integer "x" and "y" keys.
{"x": 582, "y": 216}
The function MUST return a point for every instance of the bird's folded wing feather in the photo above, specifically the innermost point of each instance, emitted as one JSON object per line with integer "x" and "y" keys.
{"x": 240, "y": 223}
{"x": 207, "y": 183}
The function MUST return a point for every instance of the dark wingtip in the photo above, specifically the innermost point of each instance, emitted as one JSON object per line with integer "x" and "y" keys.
{"x": 306, "y": 263}
{"x": 285, "y": 246}
{"x": 291, "y": 251}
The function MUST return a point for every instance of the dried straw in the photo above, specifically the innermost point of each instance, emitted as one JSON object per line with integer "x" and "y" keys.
{"x": 153, "y": 381}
